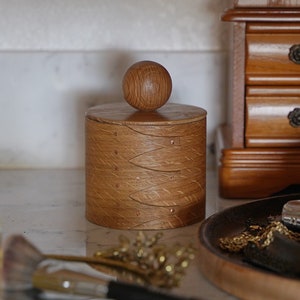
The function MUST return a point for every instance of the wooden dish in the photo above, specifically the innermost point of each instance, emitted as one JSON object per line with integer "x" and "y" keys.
{"x": 228, "y": 271}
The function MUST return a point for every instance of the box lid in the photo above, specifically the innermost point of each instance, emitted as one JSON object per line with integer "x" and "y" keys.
{"x": 123, "y": 114}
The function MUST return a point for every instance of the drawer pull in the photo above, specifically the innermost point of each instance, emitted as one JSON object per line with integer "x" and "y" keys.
{"x": 294, "y": 117}
{"x": 294, "y": 54}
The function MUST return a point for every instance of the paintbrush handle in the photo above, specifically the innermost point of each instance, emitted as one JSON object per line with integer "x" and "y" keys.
{"x": 120, "y": 291}
{"x": 102, "y": 261}
{"x": 70, "y": 282}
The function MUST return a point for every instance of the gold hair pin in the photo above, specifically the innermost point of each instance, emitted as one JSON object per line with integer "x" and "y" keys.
{"x": 164, "y": 265}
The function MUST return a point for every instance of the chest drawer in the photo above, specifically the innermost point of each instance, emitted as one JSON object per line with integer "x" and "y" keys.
{"x": 270, "y": 55}
{"x": 266, "y": 121}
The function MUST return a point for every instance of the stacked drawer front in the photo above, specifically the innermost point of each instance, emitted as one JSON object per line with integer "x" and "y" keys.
{"x": 272, "y": 85}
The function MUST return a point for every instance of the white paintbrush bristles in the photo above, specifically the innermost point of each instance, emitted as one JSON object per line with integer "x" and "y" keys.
{"x": 20, "y": 260}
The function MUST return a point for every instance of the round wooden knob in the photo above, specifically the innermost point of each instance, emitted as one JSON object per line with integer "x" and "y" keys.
{"x": 147, "y": 85}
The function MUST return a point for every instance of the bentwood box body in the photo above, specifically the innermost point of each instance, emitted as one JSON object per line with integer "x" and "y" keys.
{"x": 145, "y": 170}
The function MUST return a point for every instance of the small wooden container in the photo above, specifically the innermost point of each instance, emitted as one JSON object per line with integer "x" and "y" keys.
{"x": 145, "y": 169}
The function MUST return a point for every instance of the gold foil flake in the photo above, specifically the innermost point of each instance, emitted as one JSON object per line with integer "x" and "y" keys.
{"x": 151, "y": 261}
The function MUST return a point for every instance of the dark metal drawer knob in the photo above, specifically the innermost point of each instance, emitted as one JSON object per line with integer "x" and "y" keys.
{"x": 294, "y": 117}
{"x": 294, "y": 54}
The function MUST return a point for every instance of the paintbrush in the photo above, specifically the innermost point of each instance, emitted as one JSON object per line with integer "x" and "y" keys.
{"x": 22, "y": 270}
{"x": 18, "y": 243}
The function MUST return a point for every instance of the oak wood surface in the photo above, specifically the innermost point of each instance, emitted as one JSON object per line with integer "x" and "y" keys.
{"x": 121, "y": 113}
{"x": 267, "y": 123}
{"x": 268, "y": 55}
{"x": 147, "y": 85}
{"x": 257, "y": 144}
{"x": 262, "y": 15}
{"x": 145, "y": 170}
{"x": 236, "y": 105}
{"x": 231, "y": 272}
{"x": 251, "y": 173}
{"x": 267, "y": 3}
{"x": 272, "y": 28}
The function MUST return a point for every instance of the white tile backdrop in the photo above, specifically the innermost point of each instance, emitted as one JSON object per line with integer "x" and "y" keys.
{"x": 57, "y": 58}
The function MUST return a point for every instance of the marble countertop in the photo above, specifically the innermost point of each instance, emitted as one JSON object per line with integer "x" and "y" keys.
{"x": 48, "y": 207}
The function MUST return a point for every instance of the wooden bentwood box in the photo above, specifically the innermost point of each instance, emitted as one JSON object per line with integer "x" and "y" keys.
{"x": 145, "y": 170}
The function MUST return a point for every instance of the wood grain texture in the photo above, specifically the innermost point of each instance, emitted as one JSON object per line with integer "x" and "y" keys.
{"x": 274, "y": 27}
{"x": 267, "y": 3}
{"x": 147, "y": 85}
{"x": 268, "y": 58}
{"x": 145, "y": 176}
{"x": 262, "y": 15}
{"x": 252, "y": 173}
{"x": 120, "y": 113}
{"x": 267, "y": 123}
{"x": 257, "y": 143}
{"x": 230, "y": 272}
{"x": 237, "y": 86}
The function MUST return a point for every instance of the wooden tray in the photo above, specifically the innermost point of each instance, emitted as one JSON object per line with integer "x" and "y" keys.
{"x": 229, "y": 272}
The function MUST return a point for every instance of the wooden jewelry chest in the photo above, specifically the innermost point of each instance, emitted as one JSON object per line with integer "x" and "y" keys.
{"x": 259, "y": 146}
